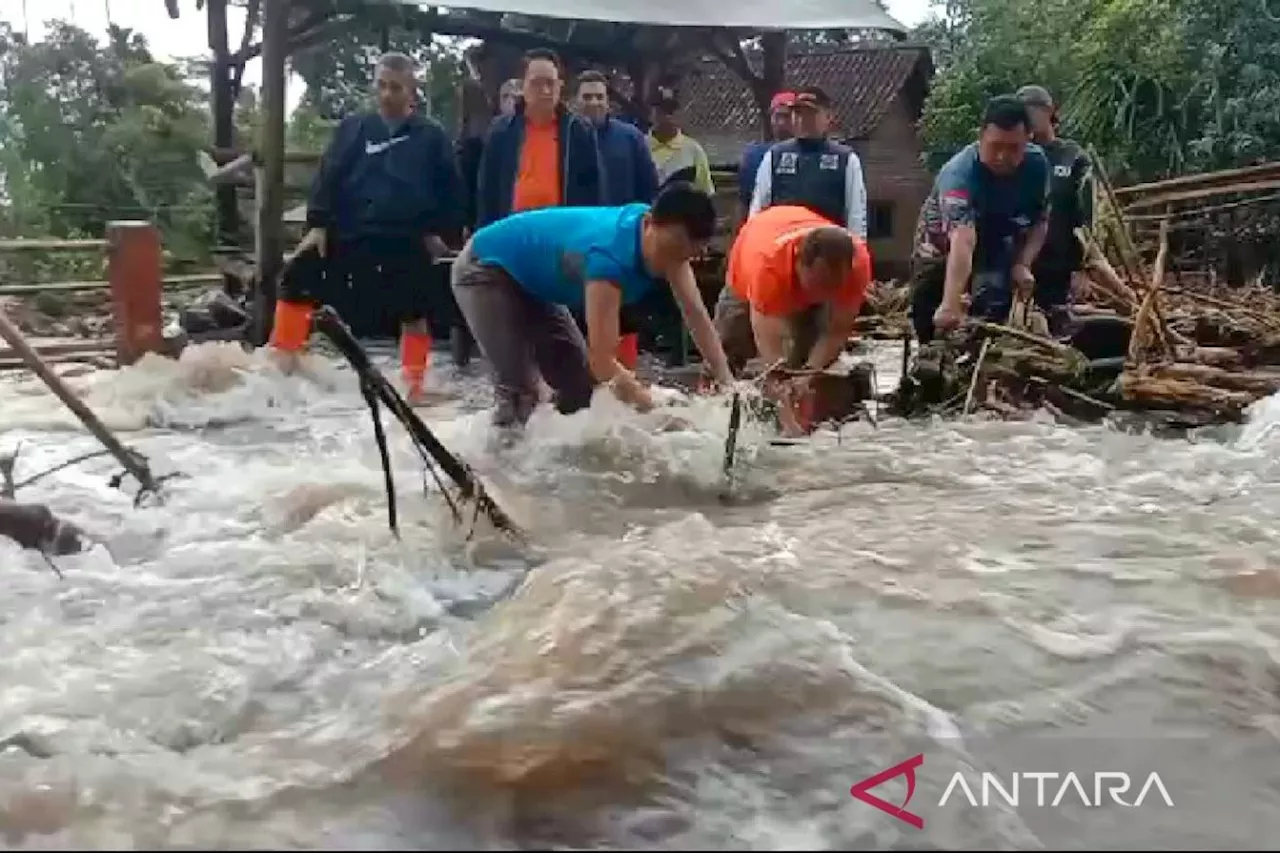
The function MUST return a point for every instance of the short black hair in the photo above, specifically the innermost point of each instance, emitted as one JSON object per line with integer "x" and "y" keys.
{"x": 592, "y": 76}
{"x": 665, "y": 100}
{"x": 815, "y": 93}
{"x": 1006, "y": 112}
{"x": 537, "y": 53}
{"x": 681, "y": 203}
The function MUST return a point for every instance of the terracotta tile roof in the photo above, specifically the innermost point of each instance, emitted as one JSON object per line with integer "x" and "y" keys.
{"x": 862, "y": 81}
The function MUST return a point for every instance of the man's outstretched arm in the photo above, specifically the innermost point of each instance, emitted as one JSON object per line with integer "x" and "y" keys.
{"x": 684, "y": 286}
{"x": 604, "y": 302}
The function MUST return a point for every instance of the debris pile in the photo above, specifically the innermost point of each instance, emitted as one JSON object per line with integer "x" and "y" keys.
{"x": 884, "y": 313}
{"x": 1190, "y": 354}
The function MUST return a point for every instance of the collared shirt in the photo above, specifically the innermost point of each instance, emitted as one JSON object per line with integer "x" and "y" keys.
{"x": 680, "y": 154}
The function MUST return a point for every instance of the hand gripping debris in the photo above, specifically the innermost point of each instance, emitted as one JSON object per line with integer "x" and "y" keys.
{"x": 376, "y": 389}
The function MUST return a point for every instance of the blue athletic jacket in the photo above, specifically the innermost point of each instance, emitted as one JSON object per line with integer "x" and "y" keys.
{"x": 379, "y": 180}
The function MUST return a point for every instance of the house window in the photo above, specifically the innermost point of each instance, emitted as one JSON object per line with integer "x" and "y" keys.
{"x": 880, "y": 220}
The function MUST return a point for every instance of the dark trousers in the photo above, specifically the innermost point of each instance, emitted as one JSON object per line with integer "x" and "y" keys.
{"x": 733, "y": 324}
{"x": 374, "y": 284}
{"x": 522, "y": 337}
{"x": 991, "y": 295}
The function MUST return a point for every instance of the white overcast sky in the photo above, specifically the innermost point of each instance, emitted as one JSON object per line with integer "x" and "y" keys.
{"x": 185, "y": 37}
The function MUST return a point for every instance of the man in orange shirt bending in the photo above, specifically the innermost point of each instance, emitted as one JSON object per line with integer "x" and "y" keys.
{"x": 793, "y": 290}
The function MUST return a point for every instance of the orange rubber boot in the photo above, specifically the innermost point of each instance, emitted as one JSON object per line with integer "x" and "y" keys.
{"x": 415, "y": 354}
{"x": 292, "y": 327}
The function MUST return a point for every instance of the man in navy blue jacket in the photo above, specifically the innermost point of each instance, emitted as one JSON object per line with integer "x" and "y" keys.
{"x": 629, "y": 176}
{"x": 629, "y": 172}
{"x": 387, "y": 189}
{"x": 540, "y": 156}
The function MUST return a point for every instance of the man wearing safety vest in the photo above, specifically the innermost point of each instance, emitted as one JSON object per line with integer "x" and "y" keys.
{"x": 812, "y": 170}
{"x": 794, "y": 286}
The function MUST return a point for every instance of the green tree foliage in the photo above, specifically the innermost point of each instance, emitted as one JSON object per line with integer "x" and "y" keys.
{"x": 339, "y": 73}
{"x": 91, "y": 131}
{"x": 1157, "y": 86}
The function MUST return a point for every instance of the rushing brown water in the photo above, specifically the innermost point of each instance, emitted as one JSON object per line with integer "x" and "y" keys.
{"x": 259, "y": 663}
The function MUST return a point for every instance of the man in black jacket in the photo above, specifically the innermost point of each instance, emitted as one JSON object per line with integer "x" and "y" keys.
{"x": 1070, "y": 207}
{"x": 541, "y": 155}
{"x": 387, "y": 189}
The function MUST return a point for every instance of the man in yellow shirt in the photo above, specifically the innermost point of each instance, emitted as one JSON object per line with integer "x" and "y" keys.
{"x": 677, "y": 156}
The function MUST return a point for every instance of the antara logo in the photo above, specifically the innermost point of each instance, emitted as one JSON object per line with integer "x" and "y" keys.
{"x": 1051, "y": 789}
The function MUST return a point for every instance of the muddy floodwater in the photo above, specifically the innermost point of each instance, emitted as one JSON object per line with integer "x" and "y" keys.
{"x": 258, "y": 662}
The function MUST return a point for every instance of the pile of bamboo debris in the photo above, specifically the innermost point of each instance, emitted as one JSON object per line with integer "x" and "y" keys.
{"x": 1196, "y": 354}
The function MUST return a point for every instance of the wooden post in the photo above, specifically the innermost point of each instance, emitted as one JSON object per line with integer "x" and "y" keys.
{"x": 270, "y": 189}
{"x": 136, "y": 279}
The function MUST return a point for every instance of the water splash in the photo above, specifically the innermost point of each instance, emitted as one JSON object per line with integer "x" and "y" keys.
{"x": 258, "y": 661}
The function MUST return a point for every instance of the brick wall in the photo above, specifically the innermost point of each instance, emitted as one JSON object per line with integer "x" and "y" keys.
{"x": 897, "y": 184}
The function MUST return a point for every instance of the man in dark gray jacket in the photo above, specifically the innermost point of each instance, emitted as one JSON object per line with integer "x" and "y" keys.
{"x": 1070, "y": 207}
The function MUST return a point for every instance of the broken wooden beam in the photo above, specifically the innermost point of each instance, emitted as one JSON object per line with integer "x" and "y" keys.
{"x": 1193, "y": 193}
{"x": 1202, "y": 180}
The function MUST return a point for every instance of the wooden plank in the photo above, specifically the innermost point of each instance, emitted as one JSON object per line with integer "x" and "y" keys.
{"x": 62, "y": 346}
{"x": 223, "y": 156}
{"x": 1265, "y": 170}
{"x": 1205, "y": 192}
{"x": 51, "y": 245}
{"x": 1202, "y": 211}
{"x": 71, "y": 286}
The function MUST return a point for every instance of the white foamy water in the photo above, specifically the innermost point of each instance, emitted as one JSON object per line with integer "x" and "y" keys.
{"x": 258, "y": 661}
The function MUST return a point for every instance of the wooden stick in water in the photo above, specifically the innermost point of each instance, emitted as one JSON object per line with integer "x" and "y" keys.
{"x": 731, "y": 444}
{"x": 132, "y": 462}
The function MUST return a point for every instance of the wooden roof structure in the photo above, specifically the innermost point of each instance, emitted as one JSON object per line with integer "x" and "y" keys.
{"x": 862, "y": 80}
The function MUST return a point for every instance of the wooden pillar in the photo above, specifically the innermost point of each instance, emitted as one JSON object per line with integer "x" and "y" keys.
{"x": 136, "y": 277}
{"x": 270, "y": 189}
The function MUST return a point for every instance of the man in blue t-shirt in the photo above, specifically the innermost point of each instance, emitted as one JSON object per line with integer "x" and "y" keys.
{"x": 983, "y": 223}
{"x": 518, "y": 279}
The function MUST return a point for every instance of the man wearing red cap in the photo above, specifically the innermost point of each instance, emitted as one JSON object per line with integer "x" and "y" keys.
{"x": 781, "y": 129}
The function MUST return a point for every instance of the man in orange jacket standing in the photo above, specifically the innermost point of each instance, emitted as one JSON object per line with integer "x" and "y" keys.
{"x": 794, "y": 287}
